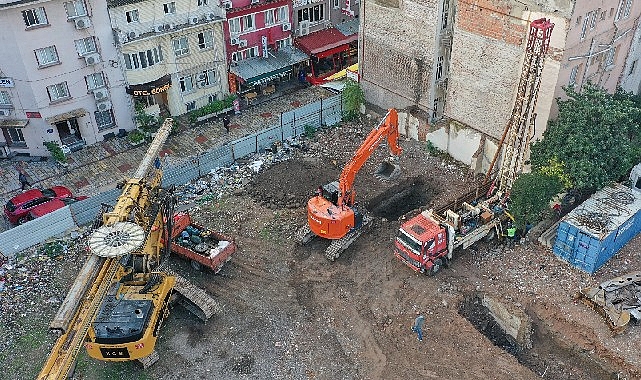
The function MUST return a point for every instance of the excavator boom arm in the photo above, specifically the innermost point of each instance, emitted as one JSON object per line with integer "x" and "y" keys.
{"x": 388, "y": 128}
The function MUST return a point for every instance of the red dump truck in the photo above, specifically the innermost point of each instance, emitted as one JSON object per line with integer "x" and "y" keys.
{"x": 203, "y": 247}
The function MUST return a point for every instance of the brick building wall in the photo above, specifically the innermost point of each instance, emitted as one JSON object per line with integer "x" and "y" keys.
{"x": 397, "y": 44}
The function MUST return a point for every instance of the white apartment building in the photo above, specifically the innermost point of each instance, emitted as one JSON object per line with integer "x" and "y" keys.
{"x": 172, "y": 52}
{"x": 60, "y": 76}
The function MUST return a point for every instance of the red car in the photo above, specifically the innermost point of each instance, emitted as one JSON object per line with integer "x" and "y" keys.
{"x": 52, "y": 205}
{"x": 18, "y": 207}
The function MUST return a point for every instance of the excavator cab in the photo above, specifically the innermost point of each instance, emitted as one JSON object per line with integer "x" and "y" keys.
{"x": 330, "y": 192}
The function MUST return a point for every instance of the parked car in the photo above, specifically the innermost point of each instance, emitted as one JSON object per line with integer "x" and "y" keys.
{"x": 52, "y": 205}
{"x": 17, "y": 208}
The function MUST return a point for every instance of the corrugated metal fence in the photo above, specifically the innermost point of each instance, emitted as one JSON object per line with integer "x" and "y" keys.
{"x": 292, "y": 123}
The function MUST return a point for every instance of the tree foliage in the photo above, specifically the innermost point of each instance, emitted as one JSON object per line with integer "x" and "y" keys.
{"x": 594, "y": 140}
{"x": 530, "y": 196}
{"x": 353, "y": 97}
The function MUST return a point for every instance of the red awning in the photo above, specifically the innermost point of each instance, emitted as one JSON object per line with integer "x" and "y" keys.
{"x": 325, "y": 42}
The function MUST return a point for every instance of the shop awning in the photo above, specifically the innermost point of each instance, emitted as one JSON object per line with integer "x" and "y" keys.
{"x": 78, "y": 112}
{"x": 14, "y": 123}
{"x": 325, "y": 42}
{"x": 150, "y": 88}
{"x": 260, "y": 69}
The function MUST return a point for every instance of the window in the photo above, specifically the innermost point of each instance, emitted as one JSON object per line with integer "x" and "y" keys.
{"x": 186, "y": 84}
{"x": 191, "y": 105}
{"x": 336, "y": 4}
{"x": 132, "y": 16}
{"x": 143, "y": 59}
{"x": 58, "y": 91}
{"x": 593, "y": 19}
{"x": 85, "y": 46}
{"x": 75, "y": 8}
{"x": 632, "y": 66}
{"x": 435, "y": 109}
{"x": 181, "y": 46}
{"x": 237, "y": 56}
{"x": 270, "y": 17}
{"x": 169, "y": 8}
{"x": 251, "y": 52}
{"x": 610, "y": 57}
{"x": 207, "y": 78}
{"x": 312, "y": 14}
{"x": 283, "y": 14}
{"x": 212, "y": 98}
{"x": 283, "y": 43}
{"x": 234, "y": 25}
{"x": 47, "y": 56}
{"x": 445, "y": 15}
{"x": 584, "y": 28}
{"x": 206, "y": 39}
{"x": 623, "y": 10}
{"x": 202, "y": 3}
{"x": 95, "y": 81}
{"x": 626, "y": 10}
{"x": 439, "y": 68}
{"x": 146, "y": 100}
{"x": 34, "y": 17}
{"x": 4, "y": 98}
{"x": 248, "y": 22}
{"x": 104, "y": 119}
{"x": 16, "y": 136}
{"x": 573, "y": 74}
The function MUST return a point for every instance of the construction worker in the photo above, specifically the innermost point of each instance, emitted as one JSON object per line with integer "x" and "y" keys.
{"x": 418, "y": 326}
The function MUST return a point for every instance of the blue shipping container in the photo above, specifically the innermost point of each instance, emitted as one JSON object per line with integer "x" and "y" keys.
{"x": 596, "y": 230}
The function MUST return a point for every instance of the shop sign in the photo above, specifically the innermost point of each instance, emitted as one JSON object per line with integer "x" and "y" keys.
{"x": 33, "y": 115}
{"x": 6, "y": 82}
{"x": 263, "y": 39}
{"x": 151, "y": 88}
{"x": 301, "y": 3}
{"x": 232, "y": 84}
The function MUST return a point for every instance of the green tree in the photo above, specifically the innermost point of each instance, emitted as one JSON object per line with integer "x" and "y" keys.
{"x": 353, "y": 98}
{"x": 530, "y": 196}
{"x": 594, "y": 140}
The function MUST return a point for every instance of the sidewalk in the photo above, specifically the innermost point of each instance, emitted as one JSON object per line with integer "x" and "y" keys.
{"x": 99, "y": 167}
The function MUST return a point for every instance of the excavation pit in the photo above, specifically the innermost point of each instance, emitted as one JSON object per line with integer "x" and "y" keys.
{"x": 406, "y": 196}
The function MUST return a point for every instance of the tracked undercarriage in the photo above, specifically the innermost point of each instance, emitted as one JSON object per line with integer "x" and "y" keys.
{"x": 618, "y": 300}
{"x": 336, "y": 247}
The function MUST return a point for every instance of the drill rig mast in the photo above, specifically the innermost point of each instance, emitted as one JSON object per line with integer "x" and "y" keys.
{"x": 518, "y": 132}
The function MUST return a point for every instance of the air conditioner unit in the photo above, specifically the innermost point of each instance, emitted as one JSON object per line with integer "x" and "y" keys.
{"x": 168, "y": 27}
{"x": 82, "y": 22}
{"x": 159, "y": 28}
{"x": 100, "y": 94}
{"x": 194, "y": 20}
{"x": 242, "y": 43}
{"x": 234, "y": 41}
{"x": 201, "y": 77}
{"x": 133, "y": 35}
{"x": 211, "y": 15}
{"x": 92, "y": 59}
{"x": 287, "y": 27}
{"x": 255, "y": 1}
{"x": 5, "y": 112}
{"x": 304, "y": 28}
{"x": 103, "y": 106}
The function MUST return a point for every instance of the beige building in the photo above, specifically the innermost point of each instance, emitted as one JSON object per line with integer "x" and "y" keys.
{"x": 454, "y": 66}
{"x": 59, "y": 76}
{"x": 172, "y": 52}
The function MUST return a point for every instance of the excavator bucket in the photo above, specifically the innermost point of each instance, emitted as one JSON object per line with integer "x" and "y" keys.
{"x": 388, "y": 171}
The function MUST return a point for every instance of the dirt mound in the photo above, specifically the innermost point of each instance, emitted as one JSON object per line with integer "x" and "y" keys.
{"x": 289, "y": 184}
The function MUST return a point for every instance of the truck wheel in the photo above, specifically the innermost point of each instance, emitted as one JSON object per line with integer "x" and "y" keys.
{"x": 196, "y": 265}
{"x": 438, "y": 263}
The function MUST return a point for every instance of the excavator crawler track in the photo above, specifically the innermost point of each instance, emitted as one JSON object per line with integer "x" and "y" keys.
{"x": 338, "y": 246}
{"x": 194, "y": 299}
{"x": 148, "y": 361}
{"x": 304, "y": 235}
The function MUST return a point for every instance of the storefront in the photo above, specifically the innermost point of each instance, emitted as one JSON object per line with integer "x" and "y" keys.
{"x": 151, "y": 93}
{"x": 260, "y": 74}
{"x": 329, "y": 51}
{"x": 68, "y": 129}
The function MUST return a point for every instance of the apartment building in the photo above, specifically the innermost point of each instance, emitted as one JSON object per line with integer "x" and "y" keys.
{"x": 327, "y": 31}
{"x": 172, "y": 52}
{"x": 455, "y": 66}
{"x": 59, "y": 76}
{"x": 259, "y": 44}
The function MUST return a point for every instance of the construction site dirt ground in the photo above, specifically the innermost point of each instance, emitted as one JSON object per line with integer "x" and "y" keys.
{"x": 288, "y": 313}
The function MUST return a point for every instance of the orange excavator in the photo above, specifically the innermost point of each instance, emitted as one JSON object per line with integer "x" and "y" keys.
{"x": 333, "y": 212}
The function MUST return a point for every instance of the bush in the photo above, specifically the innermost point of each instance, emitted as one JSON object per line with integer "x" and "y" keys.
{"x": 136, "y": 136}
{"x": 146, "y": 122}
{"x": 309, "y": 131}
{"x": 211, "y": 108}
{"x": 530, "y": 196}
{"x": 56, "y": 151}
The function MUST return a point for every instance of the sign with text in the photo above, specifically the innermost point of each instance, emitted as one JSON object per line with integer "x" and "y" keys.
{"x": 150, "y": 88}
{"x": 6, "y": 82}
{"x": 33, "y": 115}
